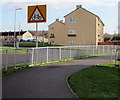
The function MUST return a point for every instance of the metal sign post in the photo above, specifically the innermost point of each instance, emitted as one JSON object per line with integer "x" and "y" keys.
{"x": 37, "y": 14}
{"x": 36, "y": 35}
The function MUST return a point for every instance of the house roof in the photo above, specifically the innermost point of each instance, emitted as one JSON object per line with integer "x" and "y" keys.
{"x": 10, "y": 33}
{"x": 87, "y": 11}
{"x": 39, "y": 33}
{"x": 115, "y": 38}
{"x": 57, "y": 20}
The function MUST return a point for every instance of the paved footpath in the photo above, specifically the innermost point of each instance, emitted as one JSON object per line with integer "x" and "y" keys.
{"x": 48, "y": 81}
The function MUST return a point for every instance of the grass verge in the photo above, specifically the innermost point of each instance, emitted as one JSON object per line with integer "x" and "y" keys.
{"x": 1, "y": 48}
{"x": 90, "y": 56}
{"x": 13, "y": 69}
{"x": 96, "y": 83}
{"x": 51, "y": 62}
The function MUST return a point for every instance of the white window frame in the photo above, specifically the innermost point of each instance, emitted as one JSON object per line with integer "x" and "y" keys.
{"x": 71, "y": 32}
{"x": 52, "y": 42}
{"x": 72, "y": 20}
{"x": 72, "y": 42}
{"x": 52, "y": 28}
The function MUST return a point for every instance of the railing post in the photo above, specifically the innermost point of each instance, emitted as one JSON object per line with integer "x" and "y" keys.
{"x": 60, "y": 53}
{"x": 47, "y": 55}
{"x": 112, "y": 55}
{"x": 70, "y": 52}
{"x": 26, "y": 55}
{"x": 37, "y": 49}
{"x": 86, "y": 49}
{"x": 93, "y": 51}
{"x": 15, "y": 58}
{"x": 108, "y": 49}
{"x": 32, "y": 62}
{"x": 103, "y": 49}
{"x": 6, "y": 60}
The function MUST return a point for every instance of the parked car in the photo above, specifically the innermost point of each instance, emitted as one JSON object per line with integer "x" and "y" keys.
{"x": 21, "y": 40}
{"x": 34, "y": 40}
{"x": 29, "y": 41}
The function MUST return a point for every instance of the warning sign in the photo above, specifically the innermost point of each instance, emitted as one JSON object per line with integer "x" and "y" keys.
{"x": 37, "y": 14}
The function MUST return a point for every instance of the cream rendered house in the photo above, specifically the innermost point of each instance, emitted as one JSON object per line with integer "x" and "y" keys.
{"x": 27, "y": 36}
{"x": 30, "y": 35}
{"x": 81, "y": 27}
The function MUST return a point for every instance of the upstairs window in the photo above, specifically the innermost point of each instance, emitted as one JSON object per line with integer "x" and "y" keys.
{"x": 72, "y": 20}
{"x": 52, "y": 35}
{"x": 71, "y": 32}
{"x": 51, "y": 28}
{"x": 99, "y": 40}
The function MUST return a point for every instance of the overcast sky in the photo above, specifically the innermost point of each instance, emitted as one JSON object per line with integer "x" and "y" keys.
{"x": 107, "y": 10}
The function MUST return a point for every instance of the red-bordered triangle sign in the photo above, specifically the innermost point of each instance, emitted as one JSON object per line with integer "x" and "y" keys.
{"x": 36, "y": 16}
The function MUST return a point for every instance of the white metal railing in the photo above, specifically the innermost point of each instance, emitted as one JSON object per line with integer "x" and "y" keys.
{"x": 49, "y": 54}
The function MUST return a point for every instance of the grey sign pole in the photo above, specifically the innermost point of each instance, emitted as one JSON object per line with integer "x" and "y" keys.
{"x": 36, "y": 35}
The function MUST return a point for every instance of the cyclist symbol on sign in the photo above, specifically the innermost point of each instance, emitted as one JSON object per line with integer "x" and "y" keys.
{"x": 36, "y": 16}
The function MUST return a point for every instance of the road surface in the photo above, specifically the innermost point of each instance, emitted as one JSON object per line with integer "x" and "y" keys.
{"x": 46, "y": 82}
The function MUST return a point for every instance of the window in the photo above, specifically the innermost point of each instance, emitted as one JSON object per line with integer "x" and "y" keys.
{"x": 71, "y": 32}
{"x": 52, "y": 41}
{"x": 29, "y": 37}
{"x": 72, "y": 42}
{"x": 52, "y": 35}
{"x": 72, "y": 20}
{"x": 51, "y": 28}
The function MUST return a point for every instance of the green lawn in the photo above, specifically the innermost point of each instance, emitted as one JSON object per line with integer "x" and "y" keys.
{"x": 96, "y": 83}
{"x": 90, "y": 56}
{"x": 1, "y": 48}
{"x": 10, "y": 50}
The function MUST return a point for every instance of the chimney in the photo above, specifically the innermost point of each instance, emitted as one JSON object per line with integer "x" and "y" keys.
{"x": 78, "y": 6}
{"x": 57, "y": 19}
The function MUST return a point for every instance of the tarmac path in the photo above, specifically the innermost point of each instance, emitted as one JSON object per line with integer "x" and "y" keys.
{"x": 46, "y": 82}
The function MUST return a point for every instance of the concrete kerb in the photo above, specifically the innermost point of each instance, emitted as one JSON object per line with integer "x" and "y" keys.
{"x": 69, "y": 84}
{"x": 70, "y": 87}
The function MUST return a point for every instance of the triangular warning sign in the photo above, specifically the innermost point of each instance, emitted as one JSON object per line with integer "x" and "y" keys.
{"x": 36, "y": 16}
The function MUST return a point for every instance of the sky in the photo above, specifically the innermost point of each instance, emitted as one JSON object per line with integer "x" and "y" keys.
{"x": 107, "y": 10}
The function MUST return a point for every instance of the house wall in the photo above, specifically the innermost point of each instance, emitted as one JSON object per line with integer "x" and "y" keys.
{"x": 87, "y": 29}
{"x": 84, "y": 26}
{"x": 7, "y": 38}
{"x": 58, "y": 29}
{"x": 27, "y": 36}
{"x": 99, "y": 31}
{"x": 42, "y": 39}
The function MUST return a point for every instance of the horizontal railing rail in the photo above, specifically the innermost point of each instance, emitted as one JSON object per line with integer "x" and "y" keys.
{"x": 11, "y": 57}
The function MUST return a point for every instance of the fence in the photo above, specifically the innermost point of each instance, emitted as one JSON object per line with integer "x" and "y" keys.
{"x": 49, "y": 54}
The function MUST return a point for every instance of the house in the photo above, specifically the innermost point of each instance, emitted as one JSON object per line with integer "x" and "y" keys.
{"x": 107, "y": 37}
{"x": 31, "y": 35}
{"x": 111, "y": 37}
{"x": 81, "y": 27}
{"x": 24, "y": 35}
{"x": 27, "y": 36}
{"x": 9, "y": 36}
